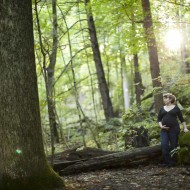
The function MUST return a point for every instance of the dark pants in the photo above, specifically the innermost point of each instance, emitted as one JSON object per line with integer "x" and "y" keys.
{"x": 169, "y": 141}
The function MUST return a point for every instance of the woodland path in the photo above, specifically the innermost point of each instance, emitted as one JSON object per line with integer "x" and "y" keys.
{"x": 149, "y": 177}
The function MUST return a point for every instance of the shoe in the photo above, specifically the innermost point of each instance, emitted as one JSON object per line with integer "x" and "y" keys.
{"x": 171, "y": 165}
{"x": 163, "y": 165}
{"x": 167, "y": 165}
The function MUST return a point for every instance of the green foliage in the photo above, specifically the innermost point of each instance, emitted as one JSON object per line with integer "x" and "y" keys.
{"x": 184, "y": 150}
{"x": 132, "y": 115}
{"x": 113, "y": 123}
{"x": 184, "y": 155}
{"x": 184, "y": 139}
{"x": 135, "y": 118}
{"x": 119, "y": 27}
{"x": 178, "y": 84}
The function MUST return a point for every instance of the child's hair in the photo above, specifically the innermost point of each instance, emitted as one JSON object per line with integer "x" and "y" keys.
{"x": 170, "y": 96}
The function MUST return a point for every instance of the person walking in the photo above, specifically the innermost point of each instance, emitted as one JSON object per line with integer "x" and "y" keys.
{"x": 170, "y": 128}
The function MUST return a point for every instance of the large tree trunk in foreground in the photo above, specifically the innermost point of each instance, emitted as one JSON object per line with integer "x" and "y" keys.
{"x": 127, "y": 158}
{"x": 153, "y": 54}
{"x": 103, "y": 87}
{"x": 23, "y": 165}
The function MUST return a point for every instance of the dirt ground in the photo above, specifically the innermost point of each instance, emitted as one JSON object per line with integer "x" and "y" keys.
{"x": 149, "y": 177}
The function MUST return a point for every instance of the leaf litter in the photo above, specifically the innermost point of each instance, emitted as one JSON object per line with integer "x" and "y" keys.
{"x": 143, "y": 178}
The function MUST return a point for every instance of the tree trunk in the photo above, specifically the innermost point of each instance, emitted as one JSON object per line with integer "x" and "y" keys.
{"x": 121, "y": 159}
{"x": 183, "y": 26}
{"x": 139, "y": 89}
{"x": 22, "y": 159}
{"x": 50, "y": 78}
{"x": 153, "y": 54}
{"x": 125, "y": 85}
{"x": 103, "y": 87}
{"x": 185, "y": 50}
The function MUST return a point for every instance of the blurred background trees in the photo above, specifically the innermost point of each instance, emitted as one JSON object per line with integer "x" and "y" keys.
{"x": 103, "y": 65}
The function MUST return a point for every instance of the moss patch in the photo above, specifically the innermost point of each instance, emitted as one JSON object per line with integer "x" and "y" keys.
{"x": 46, "y": 180}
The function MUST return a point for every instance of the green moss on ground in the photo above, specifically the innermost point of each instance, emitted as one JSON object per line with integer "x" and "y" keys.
{"x": 46, "y": 180}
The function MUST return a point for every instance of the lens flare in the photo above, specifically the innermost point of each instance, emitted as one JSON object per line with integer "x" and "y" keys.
{"x": 18, "y": 151}
{"x": 173, "y": 39}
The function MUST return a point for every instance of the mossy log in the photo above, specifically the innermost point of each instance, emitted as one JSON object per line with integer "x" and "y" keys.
{"x": 120, "y": 159}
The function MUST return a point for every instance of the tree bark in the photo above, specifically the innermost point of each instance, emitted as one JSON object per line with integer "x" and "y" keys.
{"x": 139, "y": 89}
{"x": 183, "y": 26}
{"x": 121, "y": 159}
{"x": 23, "y": 163}
{"x": 185, "y": 50}
{"x": 103, "y": 87}
{"x": 153, "y": 54}
{"x": 125, "y": 85}
{"x": 50, "y": 77}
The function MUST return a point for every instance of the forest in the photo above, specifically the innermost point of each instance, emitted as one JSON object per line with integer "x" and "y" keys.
{"x": 82, "y": 83}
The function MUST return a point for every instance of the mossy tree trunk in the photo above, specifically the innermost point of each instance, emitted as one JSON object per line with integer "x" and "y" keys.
{"x": 22, "y": 160}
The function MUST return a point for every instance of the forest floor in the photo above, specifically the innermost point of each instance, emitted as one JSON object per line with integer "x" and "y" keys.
{"x": 149, "y": 177}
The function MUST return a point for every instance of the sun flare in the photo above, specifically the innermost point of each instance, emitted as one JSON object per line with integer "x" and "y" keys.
{"x": 173, "y": 39}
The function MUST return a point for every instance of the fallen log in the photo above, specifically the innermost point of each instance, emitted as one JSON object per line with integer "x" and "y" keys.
{"x": 121, "y": 159}
{"x": 60, "y": 165}
{"x": 70, "y": 157}
{"x": 74, "y": 154}
{"x": 86, "y": 153}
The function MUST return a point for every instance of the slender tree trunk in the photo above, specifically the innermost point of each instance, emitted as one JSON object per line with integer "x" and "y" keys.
{"x": 104, "y": 91}
{"x": 23, "y": 163}
{"x": 185, "y": 60}
{"x": 45, "y": 73}
{"x": 94, "y": 133}
{"x": 75, "y": 84}
{"x": 107, "y": 61}
{"x": 153, "y": 53}
{"x": 126, "y": 99}
{"x": 50, "y": 77}
{"x": 184, "y": 49}
{"x": 138, "y": 80}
